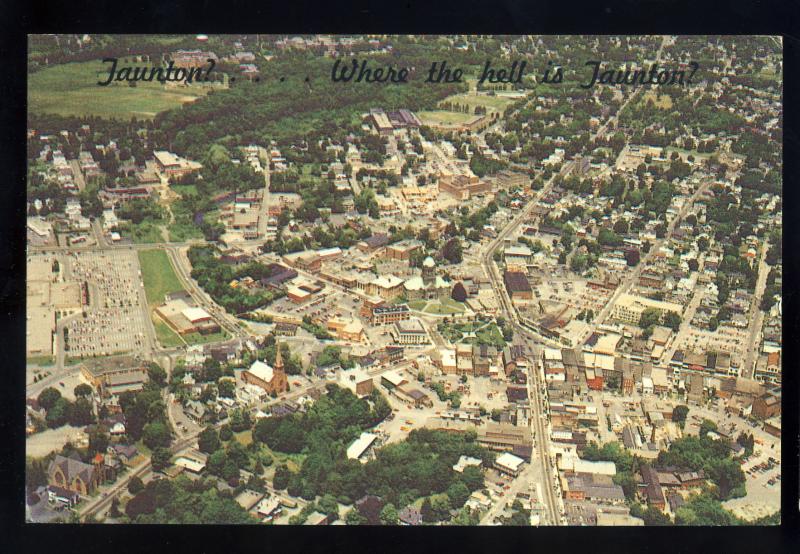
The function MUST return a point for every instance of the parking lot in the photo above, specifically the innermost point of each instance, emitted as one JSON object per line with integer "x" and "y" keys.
{"x": 573, "y": 292}
{"x": 115, "y": 322}
{"x": 724, "y": 338}
{"x": 477, "y": 391}
{"x": 325, "y": 305}
{"x": 404, "y": 417}
{"x": 763, "y": 486}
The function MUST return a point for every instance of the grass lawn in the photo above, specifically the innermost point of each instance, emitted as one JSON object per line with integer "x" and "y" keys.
{"x": 441, "y": 117}
{"x": 699, "y": 155}
{"x": 417, "y": 304}
{"x": 197, "y": 338}
{"x": 166, "y": 336}
{"x": 418, "y": 502}
{"x": 474, "y": 333}
{"x": 183, "y": 190}
{"x": 158, "y": 276}
{"x": 490, "y": 335}
{"x": 445, "y": 306}
{"x": 143, "y": 450}
{"x": 71, "y": 90}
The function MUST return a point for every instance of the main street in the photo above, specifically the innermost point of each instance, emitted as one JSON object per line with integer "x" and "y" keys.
{"x": 756, "y": 315}
{"x": 536, "y": 387}
{"x": 541, "y": 434}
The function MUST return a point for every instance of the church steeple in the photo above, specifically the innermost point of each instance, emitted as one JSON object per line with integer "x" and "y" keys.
{"x": 278, "y": 358}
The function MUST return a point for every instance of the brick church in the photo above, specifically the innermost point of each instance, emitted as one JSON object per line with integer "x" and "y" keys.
{"x": 271, "y": 379}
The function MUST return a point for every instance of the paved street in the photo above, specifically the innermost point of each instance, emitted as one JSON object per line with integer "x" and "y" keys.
{"x": 756, "y": 316}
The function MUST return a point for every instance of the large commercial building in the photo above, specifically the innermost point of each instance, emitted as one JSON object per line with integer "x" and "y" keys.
{"x": 385, "y": 315}
{"x": 170, "y": 165}
{"x": 463, "y": 187}
{"x": 115, "y": 375}
{"x": 629, "y": 308}
{"x": 184, "y": 318}
{"x": 346, "y": 329}
{"x": 517, "y": 285}
{"x": 410, "y": 332}
{"x": 402, "y": 250}
{"x": 386, "y": 287}
{"x": 507, "y": 438}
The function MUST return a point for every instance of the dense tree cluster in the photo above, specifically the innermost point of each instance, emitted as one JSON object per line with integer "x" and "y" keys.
{"x": 146, "y": 416}
{"x": 60, "y": 411}
{"x": 214, "y": 276}
{"x": 184, "y": 501}
{"x": 401, "y": 473}
{"x": 712, "y": 456}
{"x": 482, "y": 166}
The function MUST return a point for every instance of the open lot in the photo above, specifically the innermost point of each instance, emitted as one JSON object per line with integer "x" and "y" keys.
{"x": 197, "y": 338}
{"x": 41, "y": 444}
{"x": 724, "y": 338}
{"x": 158, "y": 276}
{"x": 71, "y": 90}
{"x": 573, "y": 293}
{"x": 663, "y": 101}
{"x": 146, "y": 232}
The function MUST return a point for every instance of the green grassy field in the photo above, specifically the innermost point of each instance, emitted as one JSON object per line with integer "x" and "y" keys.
{"x": 183, "y": 190}
{"x": 244, "y": 437}
{"x": 180, "y": 232}
{"x": 71, "y": 90}
{"x": 197, "y": 338}
{"x": 158, "y": 276}
{"x": 474, "y": 333}
{"x": 292, "y": 461}
{"x": 699, "y": 155}
{"x": 166, "y": 336}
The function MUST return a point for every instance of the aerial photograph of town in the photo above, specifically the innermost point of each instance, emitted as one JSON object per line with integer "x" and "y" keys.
{"x": 497, "y": 280}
